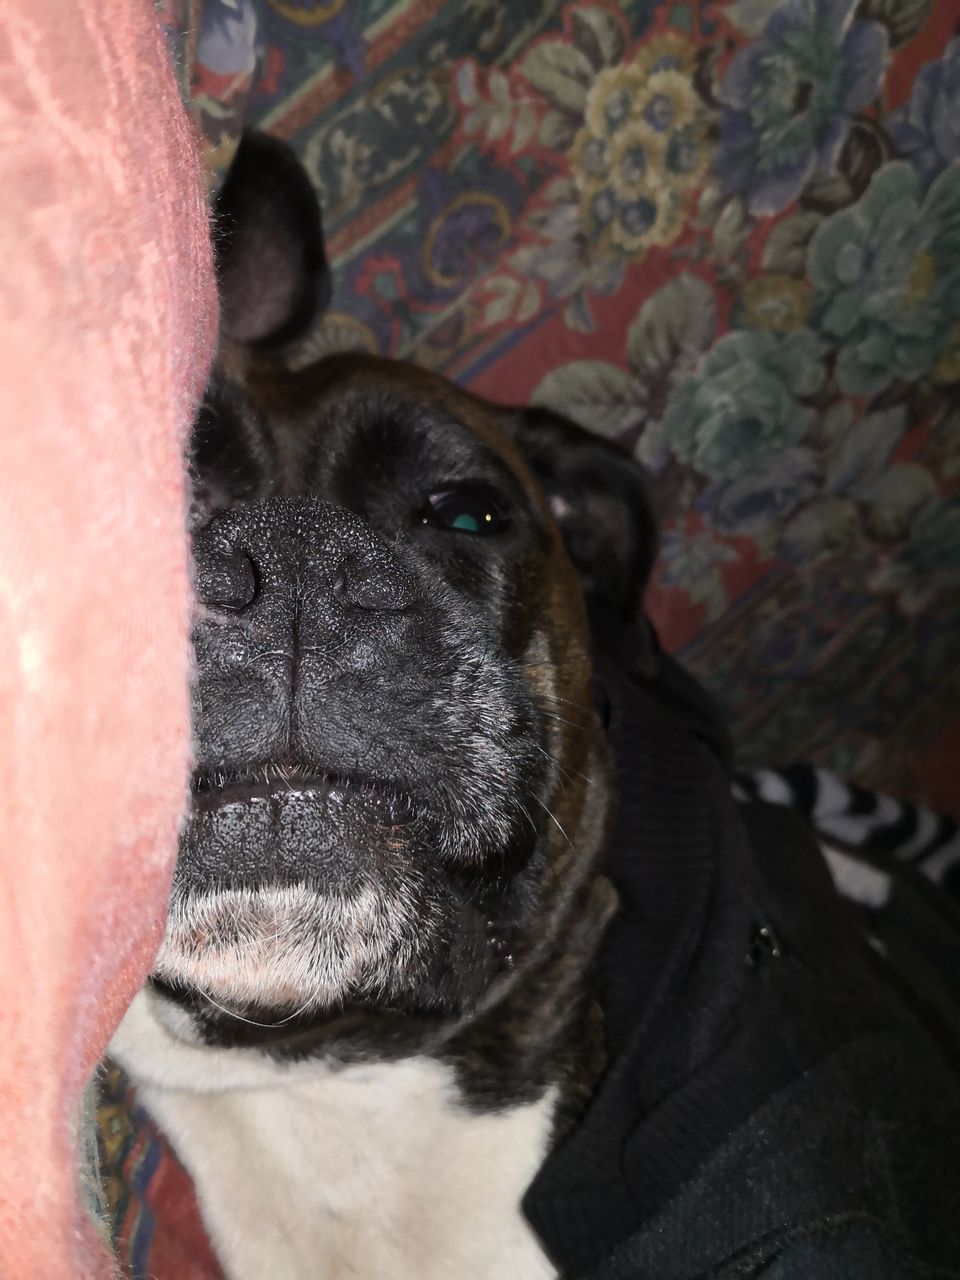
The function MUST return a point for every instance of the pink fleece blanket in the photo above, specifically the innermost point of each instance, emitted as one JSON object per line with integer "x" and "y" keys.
{"x": 106, "y": 323}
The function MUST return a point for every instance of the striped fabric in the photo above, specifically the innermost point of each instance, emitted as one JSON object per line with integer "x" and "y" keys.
{"x": 860, "y": 826}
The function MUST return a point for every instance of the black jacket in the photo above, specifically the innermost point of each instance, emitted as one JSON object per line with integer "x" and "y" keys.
{"x": 779, "y": 1101}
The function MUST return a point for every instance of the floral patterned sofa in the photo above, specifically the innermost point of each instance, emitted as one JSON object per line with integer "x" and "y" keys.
{"x": 725, "y": 234}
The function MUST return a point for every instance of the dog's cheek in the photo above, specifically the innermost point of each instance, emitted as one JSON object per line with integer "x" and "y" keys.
{"x": 559, "y": 674}
{"x": 558, "y": 667}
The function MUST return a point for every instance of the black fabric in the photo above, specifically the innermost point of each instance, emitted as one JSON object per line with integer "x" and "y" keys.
{"x": 775, "y": 1103}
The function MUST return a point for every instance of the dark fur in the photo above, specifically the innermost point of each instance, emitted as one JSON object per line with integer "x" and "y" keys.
{"x": 385, "y": 702}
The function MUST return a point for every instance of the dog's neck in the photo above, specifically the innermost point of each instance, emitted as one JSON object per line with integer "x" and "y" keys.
{"x": 390, "y": 1167}
{"x": 302, "y": 1168}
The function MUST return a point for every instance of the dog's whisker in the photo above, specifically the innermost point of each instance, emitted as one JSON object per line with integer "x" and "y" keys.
{"x": 556, "y": 700}
{"x": 553, "y": 817}
{"x": 526, "y": 813}
{"x": 230, "y": 1013}
{"x": 566, "y": 772}
{"x": 252, "y": 1022}
{"x": 310, "y": 999}
{"x": 553, "y": 715}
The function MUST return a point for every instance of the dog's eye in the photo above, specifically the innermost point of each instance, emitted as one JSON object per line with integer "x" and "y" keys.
{"x": 466, "y": 509}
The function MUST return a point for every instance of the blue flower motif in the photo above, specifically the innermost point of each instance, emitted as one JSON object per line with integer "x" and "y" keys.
{"x": 227, "y": 41}
{"x": 929, "y": 562}
{"x": 742, "y": 406}
{"x": 927, "y": 130}
{"x": 762, "y": 497}
{"x": 886, "y": 278}
{"x": 789, "y": 97}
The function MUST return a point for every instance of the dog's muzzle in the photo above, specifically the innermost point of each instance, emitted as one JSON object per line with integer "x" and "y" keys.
{"x": 306, "y": 611}
{"x": 363, "y": 756}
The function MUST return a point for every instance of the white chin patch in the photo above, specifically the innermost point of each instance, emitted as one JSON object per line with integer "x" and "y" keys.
{"x": 291, "y": 948}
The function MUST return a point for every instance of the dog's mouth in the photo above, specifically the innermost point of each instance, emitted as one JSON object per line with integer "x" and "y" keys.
{"x": 285, "y": 822}
{"x": 305, "y": 889}
{"x": 214, "y": 788}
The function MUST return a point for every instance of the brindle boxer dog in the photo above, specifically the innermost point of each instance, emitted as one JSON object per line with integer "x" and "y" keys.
{"x": 370, "y": 1016}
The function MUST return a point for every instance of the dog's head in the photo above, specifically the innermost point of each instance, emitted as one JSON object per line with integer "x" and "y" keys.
{"x": 401, "y": 783}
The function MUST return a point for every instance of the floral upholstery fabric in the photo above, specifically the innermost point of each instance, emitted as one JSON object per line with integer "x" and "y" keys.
{"x": 726, "y": 235}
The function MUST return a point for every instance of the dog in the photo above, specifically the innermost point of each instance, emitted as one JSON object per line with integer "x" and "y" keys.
{"x": 371, "y": 1015}
{"x": 473, "y": 967}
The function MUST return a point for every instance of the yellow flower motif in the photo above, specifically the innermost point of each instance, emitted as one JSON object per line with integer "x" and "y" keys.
{"x": 627, "y": 228}
{"x": 668, "y": 101}
{"x": 947, "y": 368}
{"x": 664, "y": 99}
{"x": 669, "y": 52}
{"x": 779, "y": 304}
{"x": 598, "y": 207}
{"x": 642, "y": 147}
{"x": 923, "y": 275}
{"x": 609, "y": 102}
{"x": 654, "y": 218}
{"x": 637, "y": 160}
{"x": 687, "y": 156}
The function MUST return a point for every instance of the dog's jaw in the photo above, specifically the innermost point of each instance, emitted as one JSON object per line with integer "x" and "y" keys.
{"x": 281, "y": 953}
{"x": 261, "y": 927}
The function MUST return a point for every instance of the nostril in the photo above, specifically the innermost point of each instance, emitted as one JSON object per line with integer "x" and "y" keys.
{"x": 226, "y": 581}
{"x": 378, "y": 585}
{"x": 339, "y": 586}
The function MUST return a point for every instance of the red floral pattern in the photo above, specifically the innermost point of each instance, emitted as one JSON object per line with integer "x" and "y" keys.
{"x": 557, "y": 205}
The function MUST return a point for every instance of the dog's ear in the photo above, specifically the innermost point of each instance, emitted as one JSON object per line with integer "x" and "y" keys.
{"x": 272, "y": 271}
{"x": 598, "y": 497}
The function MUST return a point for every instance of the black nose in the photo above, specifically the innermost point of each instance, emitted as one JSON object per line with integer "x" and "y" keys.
{"x": 309, "y": 555}
{"x": 225, "y": 580}
{"x": 307, "y": 608}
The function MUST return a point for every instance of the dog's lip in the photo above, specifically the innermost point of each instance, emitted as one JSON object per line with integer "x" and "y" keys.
{"x": 214, "y": 788}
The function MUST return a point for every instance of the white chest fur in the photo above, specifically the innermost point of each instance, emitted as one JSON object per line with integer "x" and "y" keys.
{"x": 304, "y": 1173}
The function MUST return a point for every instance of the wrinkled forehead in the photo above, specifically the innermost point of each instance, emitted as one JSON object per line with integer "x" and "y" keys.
{"x": 355, "y": 410}
{"x": 377, "y": 436}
